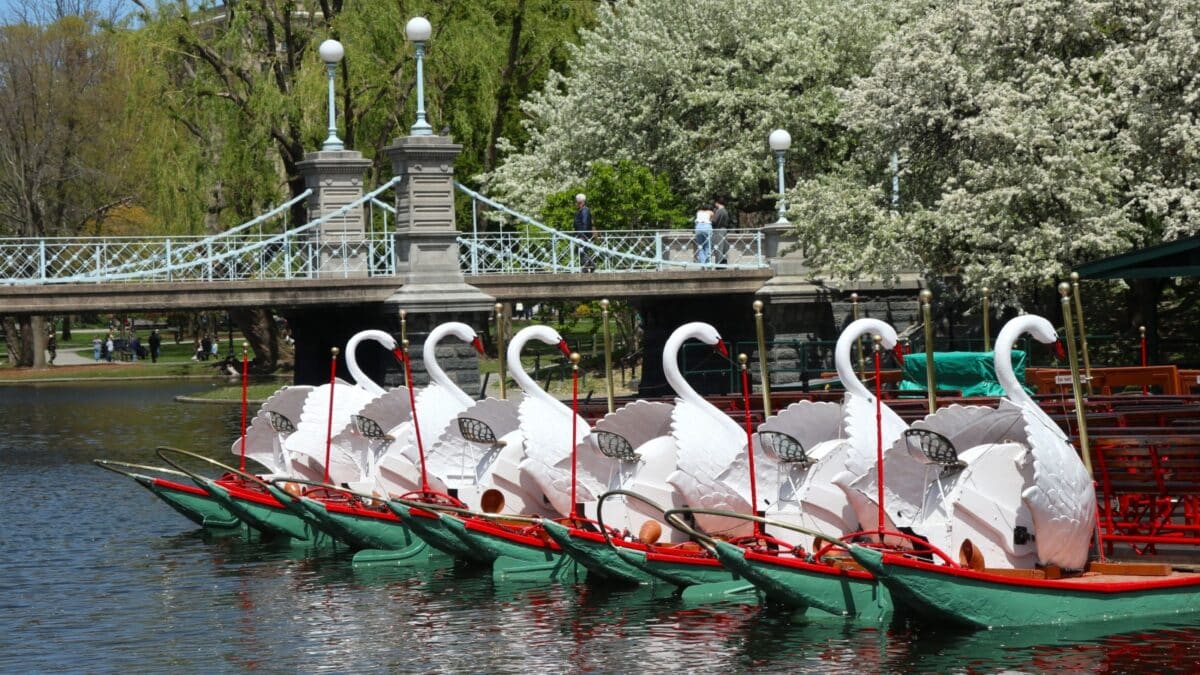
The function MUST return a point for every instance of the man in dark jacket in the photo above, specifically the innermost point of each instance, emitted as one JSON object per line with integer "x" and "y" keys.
{"x": 155, "y": 345}
{"x": 583, "y": 230}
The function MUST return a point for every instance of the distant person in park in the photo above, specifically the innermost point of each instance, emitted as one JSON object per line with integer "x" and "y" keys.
{"x": 206, "y": 346}
{"x": 97, "y": 345}
{"x": 155, "y": 345}
{"x": 704, "y": 231}
{"x": 720, "y": 225}
{"x": 198, "y": 352}
{"x": 215, "y": 349}
{"x": 135, "y": 345}
{"x": 583, "y": 230}
{"x": 108, "y": 348}
{"x": 52, "y": 346}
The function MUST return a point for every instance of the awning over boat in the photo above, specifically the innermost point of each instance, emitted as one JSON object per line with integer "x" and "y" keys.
{"x": 1179, "y": 258}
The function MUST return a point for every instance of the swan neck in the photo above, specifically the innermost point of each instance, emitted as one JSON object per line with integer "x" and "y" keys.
{"x": 360, "y": 378}
{"x": 429, "y": 354}
{"x": 672, "y": 373}
{"x": 1003, "y": 362}
{"x": 845, "y": 369}
{"x": 517, "y": 371}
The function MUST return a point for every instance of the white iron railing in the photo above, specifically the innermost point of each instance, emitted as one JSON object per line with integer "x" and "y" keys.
{"x": 236, "y": 254}
{"x": 531, "y": 247}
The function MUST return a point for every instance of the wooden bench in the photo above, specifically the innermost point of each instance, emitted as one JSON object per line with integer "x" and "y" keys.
{"x": 1149, "y": 489}
{"x": 1111, "y": 381}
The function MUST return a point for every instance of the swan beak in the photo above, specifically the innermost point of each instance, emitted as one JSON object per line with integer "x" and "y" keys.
{"x": 477, "y": 343}
{"x": 562, "y": 347}
{"x": 399, "y": 354}
{"x": 721, "y": 348}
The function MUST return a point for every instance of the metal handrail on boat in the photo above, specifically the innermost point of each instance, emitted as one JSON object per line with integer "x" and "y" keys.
{"x": 112, "y": 465}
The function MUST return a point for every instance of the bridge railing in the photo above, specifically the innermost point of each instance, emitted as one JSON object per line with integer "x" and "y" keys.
{"x": 237, "y": 254}
{"x": 532, "y": 247}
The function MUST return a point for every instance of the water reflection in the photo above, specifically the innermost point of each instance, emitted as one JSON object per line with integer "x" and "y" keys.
{"x": 97, "y": 574}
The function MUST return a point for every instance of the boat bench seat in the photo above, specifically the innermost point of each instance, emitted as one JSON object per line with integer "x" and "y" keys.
{"x": 1149, "y": 489}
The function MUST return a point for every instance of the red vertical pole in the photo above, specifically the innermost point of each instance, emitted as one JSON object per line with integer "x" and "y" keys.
{"x": 412, "y": 402}
{"x": 574, "y": 425}
{"x": 329, "y": 420}
{"x": 245, "y": 381}
{"x": 879, "y": 434}
{"x": 743, "y": 359}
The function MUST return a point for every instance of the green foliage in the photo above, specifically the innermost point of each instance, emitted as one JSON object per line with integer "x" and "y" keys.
{"x": 621, "y": 196}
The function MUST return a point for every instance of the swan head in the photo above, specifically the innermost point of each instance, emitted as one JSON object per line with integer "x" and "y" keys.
{"x": 1041, "y": 329}
{"x": 382, "y": 337}
{"x": 463, "y": 332}
{"x": 846, "y": 340}
{"x": 544, "y": 334}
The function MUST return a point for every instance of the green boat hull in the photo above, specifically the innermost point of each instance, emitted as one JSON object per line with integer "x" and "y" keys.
{"x": 602, "y": 561}
{"x": 269, "y": 520}
{"x": 811, "y": 586}
{"x": 985, "y": 601}
{"x": 202, "y": 509}
{"x": 434, "y": 532}
{"x": 361, "y": 531}
{"x": 680, "y": 574}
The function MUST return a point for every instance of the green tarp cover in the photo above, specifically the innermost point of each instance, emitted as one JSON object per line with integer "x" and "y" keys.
{"x": 971, "y": 373}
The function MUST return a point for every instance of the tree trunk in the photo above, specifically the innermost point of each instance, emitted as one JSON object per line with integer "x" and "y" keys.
{"x": 25, "y": 344}
{"x": 271, "y": 351}
{"x": 508, "y": 86}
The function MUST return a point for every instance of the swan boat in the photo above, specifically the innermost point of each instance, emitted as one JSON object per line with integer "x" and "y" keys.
{"x": 993, "y": 494}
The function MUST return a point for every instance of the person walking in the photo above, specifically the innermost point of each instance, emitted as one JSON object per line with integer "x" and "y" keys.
{"x": 108, "y": 348}
{"x": 704, "y": 231}
{"x": 155, "y": 345}
{"x": 52, "y": 346}
{"x": 584, "y": 231}
{"x": 720, "y": 225}
{"x": 97, "y": 345}
{"x": 135, "y": 346}
{"x": 205, "y": 348}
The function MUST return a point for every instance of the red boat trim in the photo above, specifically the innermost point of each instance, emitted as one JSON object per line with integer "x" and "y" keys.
{"x": 180, "y": 487}
{"x": 360, "y": 511}
{"x": 486, "y": 527}
{"x": 700, "y": 560}
{"x": 1075, "y": 584}
{"x": 237, "y": 491}
{"x": 816, "y": 568}
{"x": 589, "y": 535}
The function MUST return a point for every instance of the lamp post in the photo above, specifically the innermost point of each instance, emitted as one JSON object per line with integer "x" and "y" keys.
{"x": 780, "y": 140}
{"x": 418, "y": 31}
{"x": 331, "y": 52}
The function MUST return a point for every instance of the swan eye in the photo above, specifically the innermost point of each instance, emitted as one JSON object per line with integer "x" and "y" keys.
{"x": 937, "y": 448}
{"x": 280, "y": 423}
{"x": 615, "y": 446}
{"x": 367, "y": 427}
{"x": 475, "y": 431}
{"x": 786, "y": 447}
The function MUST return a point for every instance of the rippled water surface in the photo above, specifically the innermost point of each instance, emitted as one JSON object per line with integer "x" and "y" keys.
{"x": 98, "y": 575}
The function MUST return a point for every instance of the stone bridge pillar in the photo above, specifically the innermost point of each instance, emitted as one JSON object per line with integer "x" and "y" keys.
{"x": 432, "y": 288}
{"x": 336, "y": 179}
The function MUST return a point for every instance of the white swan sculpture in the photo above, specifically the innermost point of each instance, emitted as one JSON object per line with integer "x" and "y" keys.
{"x": 546, "y": 425}
{"x": 398, "y": 471}
{"x": 711, "y": 466}
{"x": 306, "y": 446}
{"x": 822, "y": 447}
{"x": 1019, "y": 493}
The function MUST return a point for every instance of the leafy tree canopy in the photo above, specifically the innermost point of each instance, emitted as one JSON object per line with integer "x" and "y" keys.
{"x": 621, "y": 196}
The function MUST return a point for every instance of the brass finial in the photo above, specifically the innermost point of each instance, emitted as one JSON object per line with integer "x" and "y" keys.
{"x": 604, "y": 304}
{"x": 404, "y": 343}
{"x": 335, "y": 351}
{"x": 878, "y": 340}
{"x": 758, "y": 306}
{"x": 245, "y": 347}
{"x": 575, "y": 358}
{"x": 926, "y": 296}
{"x": 1074, "y": 277}
{"x": 499, "y": 307}
{"x": 985, "y": 290}
{"x": 403, "y": 314}
{"x": 1142, "y": 331}
{"x": 854, "y": 297}
{"x": 1064, "y": 289}
{"x": 742, "y": 360}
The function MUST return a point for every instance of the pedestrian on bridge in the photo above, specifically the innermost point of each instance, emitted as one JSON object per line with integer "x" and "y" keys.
{"x": 720, "y": 224}
{"x": 704, "y": 232}
{"x": 584, "y": 231}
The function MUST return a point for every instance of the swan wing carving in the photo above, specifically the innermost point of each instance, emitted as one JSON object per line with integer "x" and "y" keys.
{"x": 859, "y": 430}
{"x": 1062, "y": 499}
{"x": 612, "y": 453}
{"x": 487, "y": 421}
{"x": 308, "y": 441}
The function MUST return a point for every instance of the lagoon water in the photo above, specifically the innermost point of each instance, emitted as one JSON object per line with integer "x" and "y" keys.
{"x": 97, "y": 575}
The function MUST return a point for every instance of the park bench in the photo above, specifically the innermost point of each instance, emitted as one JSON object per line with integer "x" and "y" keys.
{"x": 1149, "y": 489}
